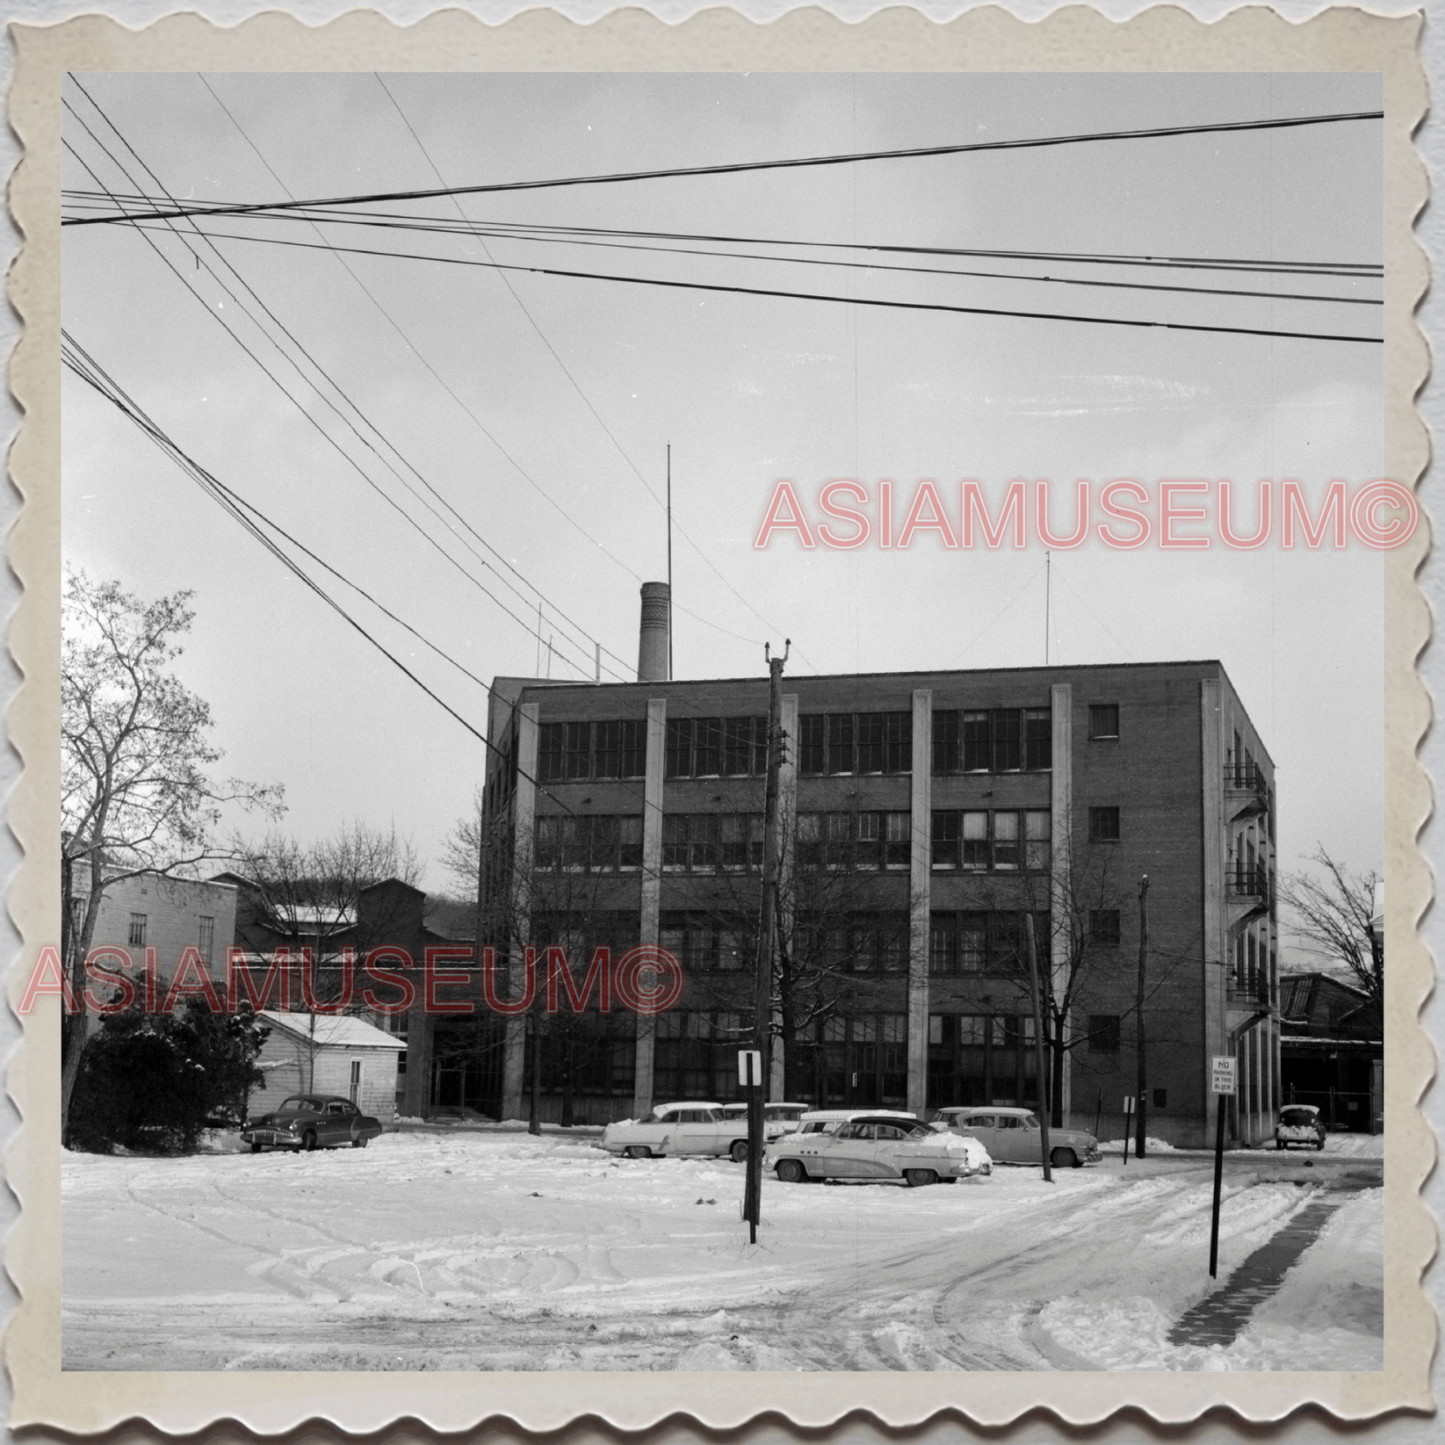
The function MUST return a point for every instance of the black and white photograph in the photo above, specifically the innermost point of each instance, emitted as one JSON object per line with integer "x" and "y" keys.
{"x": 723, "y": 722}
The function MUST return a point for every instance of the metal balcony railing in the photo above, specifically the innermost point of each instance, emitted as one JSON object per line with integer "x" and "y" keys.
{"x": 1250, "y": 986}
{"x": 1246, "y": 882}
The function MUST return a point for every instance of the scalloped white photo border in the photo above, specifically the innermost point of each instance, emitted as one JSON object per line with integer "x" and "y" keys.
{"x": 1076, "y": 38}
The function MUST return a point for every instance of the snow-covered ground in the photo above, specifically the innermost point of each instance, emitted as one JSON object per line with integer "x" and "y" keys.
{"x": 495, "y": 1250}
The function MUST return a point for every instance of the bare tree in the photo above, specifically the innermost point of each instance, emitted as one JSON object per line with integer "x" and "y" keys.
{"x": 325, "y": 897}
{"x": 137, "y": 792}
{"x": 462, "y": 848}
{"x": 1333, "y": 910}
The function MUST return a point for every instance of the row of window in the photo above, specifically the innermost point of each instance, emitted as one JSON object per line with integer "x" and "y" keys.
{"x": 856, "y": 840}
{"x": 846, "y": 742}
{"x": 705, "y": 842}
{"x": 993, "y": 740}
{"x": 984, "y": 941}
{"x": 992, "y": 842}
{"x": 205, "y": 933}
{"x": 1002, "y": 740}
{"x": 603, "y": 843}
{"x": 716, "y": 747}
{"x": 578, "y": 751}
{"x": 874, "y": 942}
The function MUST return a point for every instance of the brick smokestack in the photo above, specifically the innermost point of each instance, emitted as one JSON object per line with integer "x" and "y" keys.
{"x": 652, "y": 661}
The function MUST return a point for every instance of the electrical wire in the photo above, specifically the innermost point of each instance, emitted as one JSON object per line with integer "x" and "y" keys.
{"x": 777, "y": 292}
{"x": 401, "y": 221}
{"x": 575, "y": 384}
{"x": 739, "y": 167}
{"x": 396, "y": 326}
{"x": 345, "y": 419}
{"x": 568, "y": 240}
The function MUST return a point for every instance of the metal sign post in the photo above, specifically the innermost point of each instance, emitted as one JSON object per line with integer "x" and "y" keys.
{"x": 750, "y": 1076}
{"x": 1222, "y": 1085}
{"x": 1128, "y": 1116}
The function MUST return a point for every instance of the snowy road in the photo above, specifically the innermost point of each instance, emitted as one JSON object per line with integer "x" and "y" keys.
{"x": 499, "y": 1251}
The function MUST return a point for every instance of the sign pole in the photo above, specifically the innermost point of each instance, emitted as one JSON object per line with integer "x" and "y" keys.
{"x": 1128, "y": 1122}
{"x": 1222, "y": 1085}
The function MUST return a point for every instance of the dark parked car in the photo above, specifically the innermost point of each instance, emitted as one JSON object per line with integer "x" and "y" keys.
{"x": 1299, "y": 1124}
{"x": 312, "y": 1121}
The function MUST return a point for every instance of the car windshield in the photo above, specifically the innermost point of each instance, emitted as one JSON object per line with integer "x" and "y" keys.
{"x": 293, "y": 1103}
{"x": 1030, "y": 1121}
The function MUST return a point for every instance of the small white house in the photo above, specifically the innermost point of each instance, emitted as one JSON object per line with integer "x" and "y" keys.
{"x": 327, "y": 1054}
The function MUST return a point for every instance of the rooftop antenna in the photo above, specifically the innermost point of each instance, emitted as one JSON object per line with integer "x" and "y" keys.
{"x": 537, "y": 672}
{"x": 670, "y": 671}
{"x": 1048, "y": 581}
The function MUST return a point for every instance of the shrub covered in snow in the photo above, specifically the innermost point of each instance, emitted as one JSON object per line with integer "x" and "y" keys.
{"x": 151, "y": 1083}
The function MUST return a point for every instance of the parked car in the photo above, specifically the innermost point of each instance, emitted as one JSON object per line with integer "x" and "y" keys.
{"x": 876, "y": 1148}
{"x": 1299, "y": 1124}
{"x": 684, "y": 1128}
{"x": 311, "y": 1121}
{"x": 1013, "y": 1136}
{"x": 777, "y": 1118}
{"x": 825, "y": 1121}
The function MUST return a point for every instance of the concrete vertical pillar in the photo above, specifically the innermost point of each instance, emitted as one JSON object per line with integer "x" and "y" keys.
{"x": 1061, "y": 852}
{"x": 524, "y": 819}
{"x": 1215, "y": 965}
{"x": 787, "y": 826}
{"x": 920, "y": 882}
{"x": 649, "y": 926}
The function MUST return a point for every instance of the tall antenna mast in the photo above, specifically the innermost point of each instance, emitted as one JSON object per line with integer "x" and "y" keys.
{"x": 1048, "y": 582}
{"x": 670, "y": 672}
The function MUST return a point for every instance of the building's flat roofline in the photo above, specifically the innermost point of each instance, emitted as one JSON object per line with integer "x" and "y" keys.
{"x": 761, "y": 678}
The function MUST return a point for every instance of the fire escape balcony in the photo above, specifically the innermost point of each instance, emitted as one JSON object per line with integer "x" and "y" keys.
{"x": 1246, "y": 792}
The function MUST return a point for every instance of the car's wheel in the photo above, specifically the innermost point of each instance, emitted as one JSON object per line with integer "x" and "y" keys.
{"x": 739, "y": 1151}
{"x": 1321, "y": 1146}
{"x": 1279, "y": 1143}
{"x": 308, "y": 1142}
{"x": 359, "y": 1142}
{"x": 637, "y": 1151}
{"x": 255, "y": 1148}
{"x": 917, "y": 1178}
{"x": 791, "y": 1171}
{"x": 1064, "y": 1159}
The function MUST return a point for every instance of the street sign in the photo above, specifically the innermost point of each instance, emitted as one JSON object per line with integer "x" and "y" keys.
{"x": 750, "y": 1068}
{"x": 1221, "y": 1076}
{"x": 1128, "y": 1103}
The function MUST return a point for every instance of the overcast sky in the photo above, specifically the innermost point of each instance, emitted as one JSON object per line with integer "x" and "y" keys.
{"x": 505, "y": 390}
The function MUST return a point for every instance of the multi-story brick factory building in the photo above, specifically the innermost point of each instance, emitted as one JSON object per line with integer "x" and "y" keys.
{"x": 923, "y": 818}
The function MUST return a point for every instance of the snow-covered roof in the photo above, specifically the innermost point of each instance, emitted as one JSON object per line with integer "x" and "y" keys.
{"x": 342, "y": 1031}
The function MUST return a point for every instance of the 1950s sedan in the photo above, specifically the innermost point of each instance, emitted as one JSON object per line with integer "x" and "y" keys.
{"x": 679, "y": 1129}
{"x": 877, "y": 1149}
{"x": 1013, "y": 1136}
{"x": 312, "y": 1121}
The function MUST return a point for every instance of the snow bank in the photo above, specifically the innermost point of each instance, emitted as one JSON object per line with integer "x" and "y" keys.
{"x": 1328, "y": 1313}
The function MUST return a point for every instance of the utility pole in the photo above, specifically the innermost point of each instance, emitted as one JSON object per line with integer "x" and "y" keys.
{"x": 1045, "y": 1091}
{"x": 1139, "y": 1012}
{"x": 670, "y": 672}
{"x": 767, "y": 942}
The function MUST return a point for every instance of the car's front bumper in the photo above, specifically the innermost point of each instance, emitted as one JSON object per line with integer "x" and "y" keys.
{"x": 279, "y": 1138}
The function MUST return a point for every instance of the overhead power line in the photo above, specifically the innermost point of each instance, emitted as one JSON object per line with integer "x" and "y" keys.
{"x": 1031, "y": 277}
{"x": 779, "y": 292}
{"x": 739, "y": 167}
{"x": 574, "y": 383}
{"x": 400, "y": 221}
{"x": 346, "y": 420}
